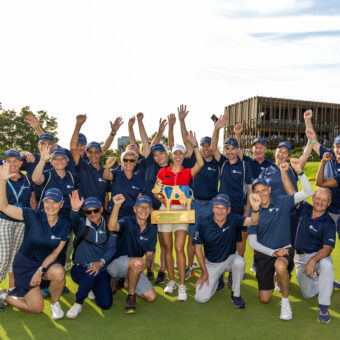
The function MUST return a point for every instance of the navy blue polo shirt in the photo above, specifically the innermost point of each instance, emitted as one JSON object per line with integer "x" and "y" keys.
{"x": 218, "y": 242}
{"x": 39, "y": 238}
{"x": 71, "y": 165}
{"x": 130, "y": 188}
{"x": 256, "y": 167}
{"x": 205, "y": 183}
{"x": 332, "y": 170}
{"x": 99, "y": 245}
{"x": 151, "y": 172}
{"x": 140, "y": 166}
{"x": 313, "y": 234}
{"x": 131, "y": 241}
{"x": 66, "y": 185}
{"x": 273, "y": 230}
{"x": 91, "y": 182}
{"x": 18, "y": 193}
{"x": 231, "y": 182}
{"x": 273, "y": 176}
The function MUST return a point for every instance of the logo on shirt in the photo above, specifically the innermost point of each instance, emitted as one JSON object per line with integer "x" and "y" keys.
{"x": 224, "y": 229}
{"x": 69, "y": 186}
{"x": 197, "y": 234}
{"x": 101, "y": 180}
{"x": 211, "y": 169}
{"x": 133, "y": 187}
{"x": 312, "y": 228}
{"x": 142, "y": 238}
{"x": 274, "y": 209}
{"x": 331, "y": 240}
{"x": 237, "y": 172}
{"x": 102, "y": 232}
{"x": 55, "y": 238}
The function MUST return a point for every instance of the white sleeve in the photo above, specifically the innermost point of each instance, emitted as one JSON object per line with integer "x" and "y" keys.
{"x": 258, "y": 246}
{"x": 306, "y": 191}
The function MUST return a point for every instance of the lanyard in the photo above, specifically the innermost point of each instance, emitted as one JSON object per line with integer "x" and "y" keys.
{"x": 17, "y": 196}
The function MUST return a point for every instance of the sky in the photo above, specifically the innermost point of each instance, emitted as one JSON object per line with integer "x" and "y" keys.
{"x": 113, "y": 58}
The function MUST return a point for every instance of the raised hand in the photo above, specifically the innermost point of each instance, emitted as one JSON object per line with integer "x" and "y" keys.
{"x": 140, "y": 116}
{"x": 327, "y": 156}
{"x": 76, "y": 203}
{"x": 296, "y": 164}
{"x": 4, "y": 172}
{"x": 132, "y": 121}
{"x": 221, "y": 122}
{"x": 29, "y": 156}
{"x": 182, "y": 112}
{"x": 110, "y": 162}
{"x": 191, "y": 138}
{"x": 81, "y": 119}
{"x": 308, "y": 115}
{"x": 32, "y": 121}
{"x": 171, "y": 119}
{"x": 310, "y": 133}
{"x": 116, "y": 124}
{"x": 238, "y": 128}
{"x": 284, "y": 166}
{"x": 118, "y": 200}
{"x": 162, "y": 124}
{"x": 45, "y": 152}
{"x": 255, "y": 201}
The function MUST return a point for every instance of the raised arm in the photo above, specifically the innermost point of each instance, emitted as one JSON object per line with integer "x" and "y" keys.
{"x": 33, "y": 122}
{"x": 182, "y": 113}
{"x": 171, "y": 122}
{"x": 113, "y": 224}
{"x": 191, "y": 139}
{"x": 8, "y": 209}
{"x": 321, "y": 181}
{"x": 143, "y": 135}
{"x": 45, "y": 155}
{"x": 220, "y": 123}
{"x": 107, "y": 175}
{"x": 76, "y": 204}
{"x": 308, "y": 148}
{"x": 114, "y": 129}
{"x": 80, "y": 120}
{"x": 254, "y": 201}
{"x": 287, "y": 183}
{"x": 161, "y": 128}
{"x": 132, "y": 136}
{"x": 238, "y": 128}
{"x": 307, "y": 116}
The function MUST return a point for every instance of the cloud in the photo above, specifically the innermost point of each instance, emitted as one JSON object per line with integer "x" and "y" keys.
{"x": 295, "y": 35}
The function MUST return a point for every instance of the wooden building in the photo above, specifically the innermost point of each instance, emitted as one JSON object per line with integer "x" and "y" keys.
{"x": 279, "y": 119}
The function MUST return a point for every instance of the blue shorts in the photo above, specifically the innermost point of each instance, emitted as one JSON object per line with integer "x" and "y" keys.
{"x": 201, "y": 210}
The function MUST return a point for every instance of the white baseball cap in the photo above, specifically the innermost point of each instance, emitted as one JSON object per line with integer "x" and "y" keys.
{"x": 178, "y": 147}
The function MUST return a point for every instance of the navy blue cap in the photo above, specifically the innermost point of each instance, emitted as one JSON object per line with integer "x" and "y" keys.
{"x": 53, "y": 194}
{"x": 205, "y": 139}
{"x": 259, "y": 140}
{"x": 92, "y": 202}
{"x": 59, "y": 152}
{"x": 82, "y": 139}
{"x": 231, "y": 141}
{"x": 94, "y": 145}
{"x": 12, "y": 153}
{"x": 286, "y": 145}
{"x": 259, "y": 181}
{"x": 143, "y": 199}
{"x": 337, "y": 140}
{"x": 158, "y": 147}
{"x": 222, "y": 199}
{"x": 46, "y": 136}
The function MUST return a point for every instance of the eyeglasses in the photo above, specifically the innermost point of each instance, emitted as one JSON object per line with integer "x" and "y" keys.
{"x": 89, "y": 212}
{"x": 125, "y": 160}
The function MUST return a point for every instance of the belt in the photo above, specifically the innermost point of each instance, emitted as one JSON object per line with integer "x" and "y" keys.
{"x": 301, "y": 252}
{"x": 202, "y": 202}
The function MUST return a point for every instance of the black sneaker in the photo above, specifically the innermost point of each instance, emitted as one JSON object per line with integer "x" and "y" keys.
{"x": 237, "y": 301}
{"x": 130, "y": 307}
{"x": 116, "y": 284}
{"x": 160, "y": 278}
{"x": 150, "y": 275}
{"x": 221, "y": 283}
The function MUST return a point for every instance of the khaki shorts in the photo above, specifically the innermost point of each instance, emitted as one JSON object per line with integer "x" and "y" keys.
{"x": 169, "y": 228}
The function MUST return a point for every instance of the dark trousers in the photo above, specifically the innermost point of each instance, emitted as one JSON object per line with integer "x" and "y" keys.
{"x": 99, "y": 284}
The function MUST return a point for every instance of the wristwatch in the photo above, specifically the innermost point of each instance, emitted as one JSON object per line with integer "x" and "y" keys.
{"x": 102, "y": 262}
{"x": 42, "y": 269}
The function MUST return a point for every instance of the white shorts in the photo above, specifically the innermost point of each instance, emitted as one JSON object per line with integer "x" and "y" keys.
{"x": 169, "y": 228}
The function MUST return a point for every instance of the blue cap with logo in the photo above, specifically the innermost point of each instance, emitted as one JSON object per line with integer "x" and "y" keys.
{"x": 158, "y": 147}
{"x": 92, "y": 202}
{"x": 231, "y": 141}
{"x": 285, "y": 145}
{"x": 94, "y": 145}
{"x": 46, "y": 136}
{"x": 222, "y": 199}
{"x": 259, "y": 140}
{"x": 205, "y": 139}
{"x": 143, "y": 199}
{"x": 259, "y": 181}
{"x": 59, "y": 152}
{"x": 337, "y": 140}
{"x": 82, "y": 139}
{"x": 54, "y": 194}
{"x": 12, "y": 153}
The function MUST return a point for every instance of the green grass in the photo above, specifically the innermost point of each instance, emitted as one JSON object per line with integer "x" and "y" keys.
{"x": 166, "y": 318}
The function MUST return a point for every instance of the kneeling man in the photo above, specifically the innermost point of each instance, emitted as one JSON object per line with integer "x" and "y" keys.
{"x": 218, "y": 233}
{"x": 136, "y": 238}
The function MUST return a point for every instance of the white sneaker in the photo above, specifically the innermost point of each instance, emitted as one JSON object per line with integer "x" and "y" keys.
{"x": 195, "y": 265}
{"x": 3, "y": 295}
{"x": 91, "y": 295}
{"x": 74, "y": 311}
{"x": 182, "y": 293}
{"x": 286, "y": 310}
{"x": 169, "y": 288}
{"x": 57, "y": 312}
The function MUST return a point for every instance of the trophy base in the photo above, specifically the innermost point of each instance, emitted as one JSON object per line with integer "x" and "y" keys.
{"x": 172, "y": 217}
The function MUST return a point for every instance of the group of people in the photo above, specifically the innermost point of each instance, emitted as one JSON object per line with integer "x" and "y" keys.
{"x": 63, "y": 204}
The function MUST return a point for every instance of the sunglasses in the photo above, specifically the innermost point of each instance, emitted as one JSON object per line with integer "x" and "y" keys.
{"x": 89, "y": 212}
{"x": 125, "y": 160}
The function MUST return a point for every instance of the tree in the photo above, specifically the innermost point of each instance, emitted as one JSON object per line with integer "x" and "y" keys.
{"x": 16, "y": 133}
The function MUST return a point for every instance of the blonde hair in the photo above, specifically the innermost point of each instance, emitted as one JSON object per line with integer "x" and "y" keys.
{"x": 129, "y": 153}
